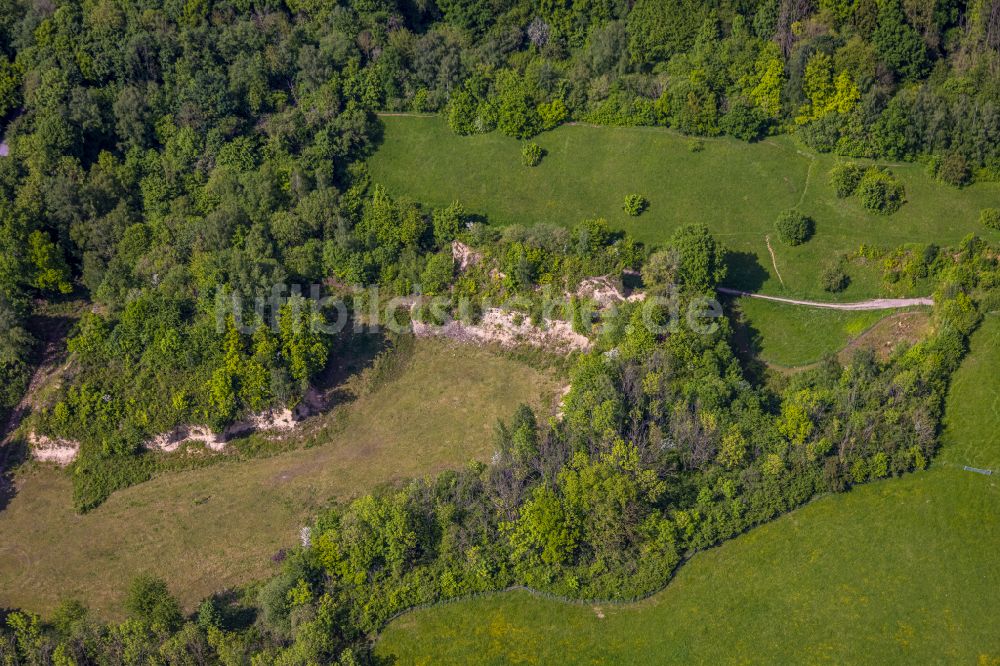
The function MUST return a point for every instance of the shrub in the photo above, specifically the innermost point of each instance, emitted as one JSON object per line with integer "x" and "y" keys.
{"x": 793, "y": 227}
{"x": 635, "y": 204}
{"x": 844, "y": 178}
{"x": 880, "y": 192}
{"x": 531, "y": 154}
{"x": 552, "y": 113}
{"x": 954, "y": 170}
{"x": 744, "y": 121}
{"x": 463, "y": 109}
{"x": 834, "y": 279}
{"x": 695, "y": 145}
{"x": 990, "y": 217}
{"x": 150, "y": 601}
{"x": 438, "y": 273}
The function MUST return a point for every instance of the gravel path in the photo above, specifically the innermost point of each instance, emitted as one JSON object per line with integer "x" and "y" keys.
{"x": 874, "y": 304}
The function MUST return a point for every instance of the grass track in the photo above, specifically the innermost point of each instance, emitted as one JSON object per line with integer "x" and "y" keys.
{"x": 737, "y": 189}
{"x": 218, "y": 526}
{"x": 900, "y": 571}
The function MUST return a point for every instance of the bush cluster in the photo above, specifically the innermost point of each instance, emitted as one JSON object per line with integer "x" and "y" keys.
{"x": 990, "y": 218}
{"x": 844, "y": 178}
{"x": 834, "y": 279}
{"x": 531, "y": 154}
{"x": 876, "y": 187}
{"x": 635, "y": 204}
{"x": 880, "y": 192}
{"x": 794, "y": 228}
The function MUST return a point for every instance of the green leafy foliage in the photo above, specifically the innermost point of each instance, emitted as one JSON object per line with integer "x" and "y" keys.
{"x": 954, "y": 170}
{"x": 899, "y": 44}
{"x": 794, "y": 228}
{"x": 161, "y": 158}
{"x": 834, "y": 279}
{"x": 594, "y": 505}
{"x": 150, "y": 602}
{"x": 531, "y": 154}
{"x": 880, "y": 192}
{"x": 845, "y": 177}
{"x": 700, "y": 263}
{"x": 635, "y": 204}
{"x": 990, "y": 218}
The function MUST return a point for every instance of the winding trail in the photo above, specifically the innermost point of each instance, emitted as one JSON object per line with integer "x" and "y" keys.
{"x": 774, "y": 260}
{"x": 874, "y": 304}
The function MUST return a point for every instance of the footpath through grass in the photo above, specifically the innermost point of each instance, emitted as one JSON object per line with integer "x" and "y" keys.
{"x": 736, "y": 188}
{"x": 900, "y": 571}
{"x": 218, "y": 526}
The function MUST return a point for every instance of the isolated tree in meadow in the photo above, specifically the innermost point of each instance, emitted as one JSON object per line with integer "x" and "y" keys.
{"x": 635, "y": 204}
{"x": 880, "y": 192}
{"x": 794, "y": 228}
{"x": 834, "y": 279}
{"x": 701, "y": 263}
{"x": 531, "y": 154}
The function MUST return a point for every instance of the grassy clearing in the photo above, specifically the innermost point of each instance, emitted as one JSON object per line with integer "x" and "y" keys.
{"x": 735, "y": 188}
{"x": 218, "y": 526}
{"x": 790, "y": 335}
{"x": 900, "y": 571}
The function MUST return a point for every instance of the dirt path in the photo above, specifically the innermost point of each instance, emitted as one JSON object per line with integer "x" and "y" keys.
{"x": 404, "y": 114}
{"x": 874, "y": 304}
{"x": 774, "y": 260}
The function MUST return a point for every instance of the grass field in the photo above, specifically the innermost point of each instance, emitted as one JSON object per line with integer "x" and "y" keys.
{"x": 737, "y": 189}
{"x": 218, "y": 526}
{"x": 790, "y": 335}
{"x": 900, "y": 571}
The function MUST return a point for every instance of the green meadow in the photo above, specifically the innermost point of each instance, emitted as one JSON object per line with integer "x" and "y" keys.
{"x": 790, "y": 336}
{"x": 901, "y": 571}
{"x": 736, "y": 188}
{"x": 218, "y": 526}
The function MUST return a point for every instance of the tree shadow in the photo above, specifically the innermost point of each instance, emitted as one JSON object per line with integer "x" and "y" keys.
{"x": 234, "y": 615}
{"x": 746, "y": 342}
{"x": 50, "y": 330}
{"x": 632, "y": 281}
{"x": 745, "y": 271}
{"x": 353, "y": 352}
{"x": 12, "y": 455}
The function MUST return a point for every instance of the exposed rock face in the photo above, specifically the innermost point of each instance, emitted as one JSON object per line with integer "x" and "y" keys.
{"x": 64, "y": 451}
{"x": 606, "y": 291}
{"x": 464, "y": 255}
{"x": 500, "y": 327}
{"x": 55, "y": 450}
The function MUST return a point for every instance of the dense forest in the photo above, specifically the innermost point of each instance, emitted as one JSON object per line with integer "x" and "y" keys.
{"x": 161, "y": 154}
